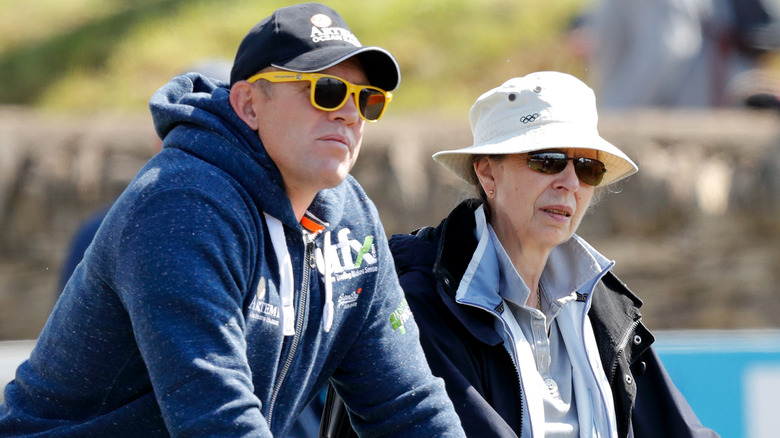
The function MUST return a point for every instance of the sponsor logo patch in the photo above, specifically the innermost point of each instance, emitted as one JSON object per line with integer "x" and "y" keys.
{"x": 321, "y": 20}
{"x": 321, "y": 31}
{"x": 348, "y": 257}
{"x": 259, "y": 309}
{"x": 400, "y": 315}
{"x": 348, "y": 301}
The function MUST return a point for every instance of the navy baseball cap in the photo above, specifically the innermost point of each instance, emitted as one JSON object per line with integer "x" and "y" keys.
{"x": 307, "y": 38}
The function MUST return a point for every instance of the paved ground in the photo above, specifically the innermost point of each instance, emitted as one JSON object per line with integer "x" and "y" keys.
{"x": 12, "y": 353}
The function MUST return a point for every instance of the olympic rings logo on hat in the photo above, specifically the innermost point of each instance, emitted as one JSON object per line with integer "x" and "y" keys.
{"x": 529, "y": 118}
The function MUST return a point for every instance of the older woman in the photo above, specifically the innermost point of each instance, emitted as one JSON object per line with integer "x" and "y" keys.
{"x": 531, "y": 331}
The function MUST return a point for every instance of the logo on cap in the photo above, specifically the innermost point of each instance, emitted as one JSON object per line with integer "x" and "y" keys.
{"x": 321, "y": 31}
{"x": 529, "y": 118}
{"x": 321, "y": 20}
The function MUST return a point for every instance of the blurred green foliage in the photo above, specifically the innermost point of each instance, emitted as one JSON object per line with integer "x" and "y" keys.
{"x": 111, "y": 55}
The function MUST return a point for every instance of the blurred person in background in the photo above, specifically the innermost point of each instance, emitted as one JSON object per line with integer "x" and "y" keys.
{"x": 243, "y": 267}
{"x": 531, "y": 330}
{"x": 679, "y": 53}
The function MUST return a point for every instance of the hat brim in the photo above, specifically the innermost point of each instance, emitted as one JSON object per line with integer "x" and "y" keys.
{"x": 381, "y": 67}
{"x": 549, "y": 136}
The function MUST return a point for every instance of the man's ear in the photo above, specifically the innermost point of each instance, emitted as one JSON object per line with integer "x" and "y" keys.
{"x": 484, "y": 168}
{"x": 242, "y": 100}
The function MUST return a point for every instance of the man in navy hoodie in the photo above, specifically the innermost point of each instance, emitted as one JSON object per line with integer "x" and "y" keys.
{"x": 242, "y": 268}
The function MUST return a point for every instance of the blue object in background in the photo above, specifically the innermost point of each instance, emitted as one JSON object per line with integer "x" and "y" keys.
{"x": 731, "y": 378}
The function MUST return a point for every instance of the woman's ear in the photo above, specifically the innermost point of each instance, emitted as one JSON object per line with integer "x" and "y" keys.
{"x": 484, "y": 168}
{"x": 242, "y": 101}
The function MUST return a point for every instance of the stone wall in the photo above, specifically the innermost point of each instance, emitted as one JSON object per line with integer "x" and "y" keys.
{"x": 696, "y": 233}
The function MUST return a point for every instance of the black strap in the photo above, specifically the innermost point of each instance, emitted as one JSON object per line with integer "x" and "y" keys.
{"x": 335, "y": 420}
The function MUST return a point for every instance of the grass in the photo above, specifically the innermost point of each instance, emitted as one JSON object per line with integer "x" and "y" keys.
{"x": 98, "y": 55}
{"x": 111, "y": 55}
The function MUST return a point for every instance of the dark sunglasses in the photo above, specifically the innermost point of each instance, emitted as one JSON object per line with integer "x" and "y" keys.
{"x": 588, "y": 170}
{"x": 330, "y": 93}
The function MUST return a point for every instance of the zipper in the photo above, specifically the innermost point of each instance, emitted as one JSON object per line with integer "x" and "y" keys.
{"x": 621, "y": 347}
{"x": 611, "y": 377}
{"x": 308, "y": 258}
{"x": 519, "y": 387}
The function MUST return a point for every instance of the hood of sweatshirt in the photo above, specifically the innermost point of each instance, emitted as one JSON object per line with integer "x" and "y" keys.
{"x": 193, "y": 113}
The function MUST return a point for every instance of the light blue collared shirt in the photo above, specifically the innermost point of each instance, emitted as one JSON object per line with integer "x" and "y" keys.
{"x": 547, "y": 347}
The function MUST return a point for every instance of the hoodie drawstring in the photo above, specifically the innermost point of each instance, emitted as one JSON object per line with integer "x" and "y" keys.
{"x": 327, "y": 310}
{"x": 286, "y": 283}
{"x": 276, "y": 229}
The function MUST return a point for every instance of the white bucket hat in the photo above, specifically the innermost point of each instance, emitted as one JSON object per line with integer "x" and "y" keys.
{"x": 539, "y": 111}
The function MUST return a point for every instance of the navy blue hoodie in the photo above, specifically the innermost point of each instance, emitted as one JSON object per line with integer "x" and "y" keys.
{"x": 172, "y": 324}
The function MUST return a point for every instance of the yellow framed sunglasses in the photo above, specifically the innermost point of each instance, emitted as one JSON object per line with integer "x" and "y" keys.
{"x": 330, "y": 93}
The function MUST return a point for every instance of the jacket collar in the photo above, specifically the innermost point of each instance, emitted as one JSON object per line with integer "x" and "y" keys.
{"x": 614, "y": 309}
{"x": 456, "y": 245}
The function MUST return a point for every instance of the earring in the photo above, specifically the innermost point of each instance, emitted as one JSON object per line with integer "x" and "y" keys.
{"x": 491, "y": 192}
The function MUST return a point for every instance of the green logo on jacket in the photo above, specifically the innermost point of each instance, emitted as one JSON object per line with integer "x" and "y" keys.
{"x": 364, "y": 250}
{"x": 400, "y": 315}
